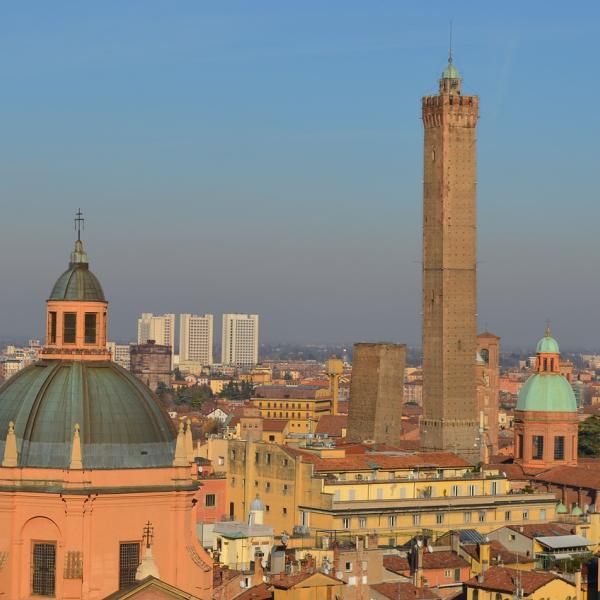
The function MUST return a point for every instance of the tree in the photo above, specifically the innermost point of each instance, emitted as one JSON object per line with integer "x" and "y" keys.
{"x": 589, "y": 438}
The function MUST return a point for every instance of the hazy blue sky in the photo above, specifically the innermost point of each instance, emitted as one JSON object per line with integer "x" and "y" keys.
{"x": 266, "y": 157}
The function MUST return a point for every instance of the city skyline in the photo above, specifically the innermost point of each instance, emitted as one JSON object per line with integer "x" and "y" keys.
{"x": 354, "y": 199}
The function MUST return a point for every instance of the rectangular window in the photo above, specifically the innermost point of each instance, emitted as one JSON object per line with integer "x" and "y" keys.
{"x": 285, "y": 489}
{"x": 559, "y": 447}
{"x": 455, "y": 490}
{"x": 525, "y": 515}
{"x": 482, "y": 516}
{"x": 538, "y": 447}
{"x": 439, "y": 518}
{"x": 52, "y": 328}
{"x": 520, "y": 446}
{"x": 416, "y": 519}
{"x": 69, "y": 327}
{"x": 392, "y": 521}
{"x": 467, "y": 517}
{"x": 542, "y": 514}
{"x": 507, "y": 515}
{"x": 129, "y": 560}
{"x": 362, "y": 523}
{"x": 44, "y": 569}
{"x": 90, "y": 328}
{"x": 494, "y": 488}
{"x": 471, "y": 490}
{"x": 346, "y": 523}
{"x": 284, "y": 510}
{"x": 210, "y": 500}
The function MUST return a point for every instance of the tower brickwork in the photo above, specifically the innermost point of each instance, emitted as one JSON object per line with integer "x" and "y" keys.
{"x": 376, "y": 393}
{"x": 450, "y": 412}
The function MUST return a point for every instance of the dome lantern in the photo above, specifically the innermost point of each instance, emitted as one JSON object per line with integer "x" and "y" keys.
{"x": 76, "y": 310}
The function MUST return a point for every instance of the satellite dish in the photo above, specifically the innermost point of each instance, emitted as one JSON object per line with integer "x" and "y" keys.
{"x": 429, "y": 548}
{"x": 419, "y": 543}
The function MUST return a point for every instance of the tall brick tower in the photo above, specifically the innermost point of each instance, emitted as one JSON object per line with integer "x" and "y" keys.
{"x": 450, "y": 414}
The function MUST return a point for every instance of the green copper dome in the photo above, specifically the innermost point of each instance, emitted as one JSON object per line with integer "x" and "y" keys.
{"x": 123, "y": 425}
{"x": 78, "y": 282}
{"x": 450, "y": 72}
{"x": 549, "y": 392}
{"x": 561, "y": 509}
{"x": 547, "y": 344}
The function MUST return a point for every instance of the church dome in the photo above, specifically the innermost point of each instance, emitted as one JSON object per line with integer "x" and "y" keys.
{"x": 547, "y": 345}
{"x": 257, "y": 504}
{"x": 78, "y": 282}
{"x": 549, "y": 392}
{"x": 122, "y": 423}
{"x": 450, "y": 72}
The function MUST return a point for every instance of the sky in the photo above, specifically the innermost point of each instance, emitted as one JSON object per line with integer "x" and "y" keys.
{"x": 267, "y": 157}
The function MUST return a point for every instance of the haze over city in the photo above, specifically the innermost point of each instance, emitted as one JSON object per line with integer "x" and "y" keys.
{"x": 267, "y": 158}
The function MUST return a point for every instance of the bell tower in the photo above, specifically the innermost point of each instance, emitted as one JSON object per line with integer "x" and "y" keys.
{"x": 450, "y": 414}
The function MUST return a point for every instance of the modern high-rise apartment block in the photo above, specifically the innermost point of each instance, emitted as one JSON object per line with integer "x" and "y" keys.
{"x": 450, "y": 412}
{"x": 160, "y": 328}
{"x": 195, "y": 340}
{"x": 240, "y": 340}
{"x": 120, "y": 353}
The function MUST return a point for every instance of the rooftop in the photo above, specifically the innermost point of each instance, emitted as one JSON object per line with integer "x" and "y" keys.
{"x": 503, "y": 579}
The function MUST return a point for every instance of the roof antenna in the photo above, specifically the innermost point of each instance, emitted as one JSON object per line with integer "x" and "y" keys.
{"x": 79, "y": 223}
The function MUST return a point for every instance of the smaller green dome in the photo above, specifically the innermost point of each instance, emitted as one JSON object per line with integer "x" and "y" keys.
{"x": 548, "y": 392}
{"x": 78, "y": 282}
{"x": 450, "y": 72}
{"x": 577, "y": 512}
{"x": 547, "y": 344}
{"x": 561, "y": 509}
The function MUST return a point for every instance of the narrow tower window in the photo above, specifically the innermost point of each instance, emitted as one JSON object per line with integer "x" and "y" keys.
{"x": 69, "y": 327}
{"x": 52, "y": 328}
{"x": 44, "y": 569}
{"x": 559, "y": 447}
{"x": 90, "y": 328}
{"x": 538, "y": 447}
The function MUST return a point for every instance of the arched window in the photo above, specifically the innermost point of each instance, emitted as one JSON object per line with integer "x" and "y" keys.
{"x": 485, "y": 354}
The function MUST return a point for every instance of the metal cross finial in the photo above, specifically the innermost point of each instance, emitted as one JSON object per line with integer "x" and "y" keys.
{"x": 548, "y": 331}
{"x": 79, "y": 223}
{"x": 148, "y": 534}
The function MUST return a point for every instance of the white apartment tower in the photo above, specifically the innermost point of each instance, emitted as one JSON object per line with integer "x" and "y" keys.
{"x": 240, "y": 340}
{"x": 196, "y": 339}
{"x": 160, "y": 328}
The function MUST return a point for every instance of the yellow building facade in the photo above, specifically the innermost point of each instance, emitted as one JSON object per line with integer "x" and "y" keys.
{"x": 391, "y": 495}
{"x": 301, "y": 406}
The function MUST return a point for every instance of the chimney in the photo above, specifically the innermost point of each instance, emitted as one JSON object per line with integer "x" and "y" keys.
{"x": 455, "y": 541}
{"x": 484, "y": 554}
{"x": 418, "y": 564}
{"x": 258, "y": 575}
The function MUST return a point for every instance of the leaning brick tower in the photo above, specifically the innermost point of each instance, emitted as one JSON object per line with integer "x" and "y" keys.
{"x": 450, "y": 416}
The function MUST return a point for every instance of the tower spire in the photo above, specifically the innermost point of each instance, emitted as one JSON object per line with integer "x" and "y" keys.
{"x": 450, "y": 46}
{"x": 79, "y": 223}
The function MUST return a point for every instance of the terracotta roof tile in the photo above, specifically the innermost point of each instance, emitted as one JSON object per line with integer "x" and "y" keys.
{"x": 403, "y": 590}
{"x": 332, "y": 425}
{"x": 285, "y": 582}
{"x": 274, "y": 424}
{"x": 584, "y": 476}
{"x": 502, "y": 579}
{"x": 257, "y": 592}
{"x": 542, "y": 529}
